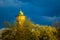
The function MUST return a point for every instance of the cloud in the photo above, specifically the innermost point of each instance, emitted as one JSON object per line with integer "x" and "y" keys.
{"x": 12, "y": 3}
{"x": 54, "y": 18}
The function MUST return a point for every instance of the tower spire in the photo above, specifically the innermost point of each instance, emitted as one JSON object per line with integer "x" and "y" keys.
{"x": 21, "y": 13}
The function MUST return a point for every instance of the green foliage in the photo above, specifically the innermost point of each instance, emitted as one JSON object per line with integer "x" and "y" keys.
{"x": 19, "y": 35}
{"x": 30, "y": 31}
{"x": 58, "y": 33}
{"x": 48, "y": 33}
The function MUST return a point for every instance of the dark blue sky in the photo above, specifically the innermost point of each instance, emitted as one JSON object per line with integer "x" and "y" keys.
{"x": 43, "y": 12}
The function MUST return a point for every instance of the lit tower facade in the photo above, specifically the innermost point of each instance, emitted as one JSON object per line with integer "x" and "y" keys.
{"x": 20, "y": 18}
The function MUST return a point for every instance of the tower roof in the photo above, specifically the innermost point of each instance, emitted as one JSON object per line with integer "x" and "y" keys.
{"x": 20, "y": 13}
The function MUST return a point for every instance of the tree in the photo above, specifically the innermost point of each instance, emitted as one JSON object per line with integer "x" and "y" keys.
{"x": 48, "y": 33}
